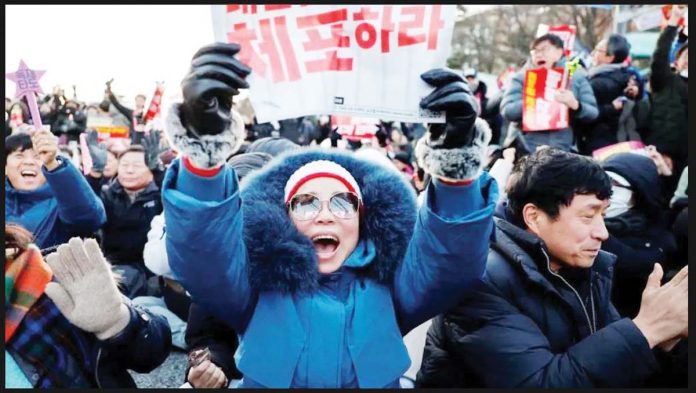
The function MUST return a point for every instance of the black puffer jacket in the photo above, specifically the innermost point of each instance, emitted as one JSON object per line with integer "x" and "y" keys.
{"x": 608, "y": 83}
{"x": 125, "y": 233}
{"x": 640, "y": 237}
{"x": 669, "y": 110}
{"x": 523, "y": 326}
{"x": 205, "y": 330}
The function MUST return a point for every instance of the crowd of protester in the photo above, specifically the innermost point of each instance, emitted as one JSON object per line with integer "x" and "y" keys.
{"x": 571, "y": 272}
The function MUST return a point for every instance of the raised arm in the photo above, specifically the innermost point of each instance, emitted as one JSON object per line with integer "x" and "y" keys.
{"x": 77, "y": 204}
{"x": 447, "y": 252}
{"x": 202, "y": 205}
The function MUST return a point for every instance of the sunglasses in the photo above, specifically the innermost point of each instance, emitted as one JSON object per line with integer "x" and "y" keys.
{"x": 343, "y": 205}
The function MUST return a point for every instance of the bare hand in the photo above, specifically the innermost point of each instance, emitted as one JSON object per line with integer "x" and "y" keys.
{"x": 509, "y": 154}
{"x": 663, "y": 168}
{"x": 618, "y": 104}
{"x": 46, "y": 145}
{"x": 632, "y": 91}
{"x": 565, "y": 96}
{"x": 664, "y": 310}
{"x": 207, "y": 375}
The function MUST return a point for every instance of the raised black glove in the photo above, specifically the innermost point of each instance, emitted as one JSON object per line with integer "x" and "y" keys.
{"x": 204, "y": 127}
{"x": 97, "y": 151}
{"x": 455, "y": 149}
{"x": 151, "y": 144}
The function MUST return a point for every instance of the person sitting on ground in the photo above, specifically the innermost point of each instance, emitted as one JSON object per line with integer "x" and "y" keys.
{"x": 131, "y": 201}
{"x": 45, "y": 193}
{"x": 67, "y": 325}
{"x": 639, "y": 234}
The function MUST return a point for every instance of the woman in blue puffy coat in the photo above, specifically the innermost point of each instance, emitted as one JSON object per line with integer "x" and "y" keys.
{"x": 321, "y": 261}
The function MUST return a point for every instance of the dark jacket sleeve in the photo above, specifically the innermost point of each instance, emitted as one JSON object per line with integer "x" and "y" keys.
{"x": 660, "y": 70}
{"x": 632, "y": 261}
{"x": 439, "y": 368}
{"x": 511, "y": 104}
{"x": 143, "y": 345}
{"x": 78, "y": 205}
{"x": 127, "y": 112}
{"x": 505, "y": 348}
{"x": 204, "y": 330}
{"x": 588, "y": 111}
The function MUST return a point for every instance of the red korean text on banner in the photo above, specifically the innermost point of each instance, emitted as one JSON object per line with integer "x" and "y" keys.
{"x": 273, "y": 42}
{"x": 327, "y": 44}
{"x": 155, "y": 104}
{"x": 540, "y": 112}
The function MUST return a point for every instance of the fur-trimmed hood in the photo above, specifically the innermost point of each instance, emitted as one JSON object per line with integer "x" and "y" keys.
{"x": 282, "y": 259}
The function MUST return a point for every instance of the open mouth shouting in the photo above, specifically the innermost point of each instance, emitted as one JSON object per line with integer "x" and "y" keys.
{"x": 325, "y": 245}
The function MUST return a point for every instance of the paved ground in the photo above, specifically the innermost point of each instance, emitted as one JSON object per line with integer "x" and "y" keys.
{"x": 169, "y": 375}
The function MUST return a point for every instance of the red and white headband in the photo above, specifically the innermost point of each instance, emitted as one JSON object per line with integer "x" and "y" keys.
{"x": 316, "y": 169}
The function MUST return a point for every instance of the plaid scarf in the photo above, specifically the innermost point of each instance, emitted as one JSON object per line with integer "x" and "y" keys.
{"x": 26, "y": 277}
{"x": 36, "y": 331}
{"x": 59, "y": 351}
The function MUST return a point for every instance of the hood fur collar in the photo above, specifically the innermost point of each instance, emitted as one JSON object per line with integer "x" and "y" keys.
{"x": 282, "y": 259}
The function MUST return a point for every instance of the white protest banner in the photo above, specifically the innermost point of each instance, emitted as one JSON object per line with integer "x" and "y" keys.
{"x": 359, "y": 60}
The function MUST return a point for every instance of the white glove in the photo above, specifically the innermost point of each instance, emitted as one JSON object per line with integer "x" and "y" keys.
{"x": 86, "y": 292}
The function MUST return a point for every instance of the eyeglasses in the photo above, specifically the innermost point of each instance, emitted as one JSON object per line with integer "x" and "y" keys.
{"x": 598, "y": 50}
{"x": 540, "y": 50}
{"x": 343, "y": 205}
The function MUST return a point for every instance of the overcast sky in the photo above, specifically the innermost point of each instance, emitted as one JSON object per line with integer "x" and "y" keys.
{"x": 86, "y": 45}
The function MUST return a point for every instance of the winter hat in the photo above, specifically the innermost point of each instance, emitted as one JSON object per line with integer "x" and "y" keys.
{"x": 272, "y": 145}
{"x": 248, "y": 162}
{"x": 316, "y": 169}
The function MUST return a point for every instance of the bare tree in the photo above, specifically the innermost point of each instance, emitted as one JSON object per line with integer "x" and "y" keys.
{"x": 493, "y": 40}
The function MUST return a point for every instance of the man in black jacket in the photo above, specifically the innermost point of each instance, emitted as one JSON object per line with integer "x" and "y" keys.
{"x": 669, "y": 116}
{"x": 542, "y": 315}
{"x": 131, "y": 201}
{"x": 608, "y": 77}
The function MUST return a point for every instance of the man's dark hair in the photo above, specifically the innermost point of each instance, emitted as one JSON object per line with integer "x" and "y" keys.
{"x": 551, "y": 178}
{"x": 553, "y": 39}
{"x": 133, "y": 149}
{"x": 17, "y": 142}
{"x": 618, "y": 46}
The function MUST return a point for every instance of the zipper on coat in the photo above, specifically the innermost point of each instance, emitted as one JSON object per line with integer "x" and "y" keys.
{"x": 592, "y": 326}
{"x": 96, "y": 368}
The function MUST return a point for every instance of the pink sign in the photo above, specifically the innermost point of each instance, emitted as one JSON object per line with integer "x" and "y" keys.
{"x": 27, "y": 81}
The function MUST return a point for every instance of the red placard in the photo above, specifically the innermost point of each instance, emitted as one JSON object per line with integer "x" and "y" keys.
{"x": 566, "y": 32}
{"x": 540, "y": 112}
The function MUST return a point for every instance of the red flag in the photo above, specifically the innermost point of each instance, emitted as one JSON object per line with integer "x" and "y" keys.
{"x": 154, "y": 108}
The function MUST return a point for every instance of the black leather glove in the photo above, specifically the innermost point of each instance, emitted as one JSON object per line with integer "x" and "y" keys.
{"x": 151, "y": 144}
{"x": 453, "y": 150}
{"x": 204, "y": 127}
{"x": 97, "y": 151}
{"x": 215, "y": 76}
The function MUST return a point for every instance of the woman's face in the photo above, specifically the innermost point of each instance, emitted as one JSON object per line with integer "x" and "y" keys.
{"x": 334, "y": 238}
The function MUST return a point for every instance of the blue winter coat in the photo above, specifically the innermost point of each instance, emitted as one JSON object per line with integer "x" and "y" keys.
{"x": 302, "y": 329}
{"x": 511, "y": 109}
{"x": 524, "y": 327}
{"x": 65, "y": 206}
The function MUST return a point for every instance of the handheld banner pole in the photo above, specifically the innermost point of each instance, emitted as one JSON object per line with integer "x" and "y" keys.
{"x": 27, "y": 81}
